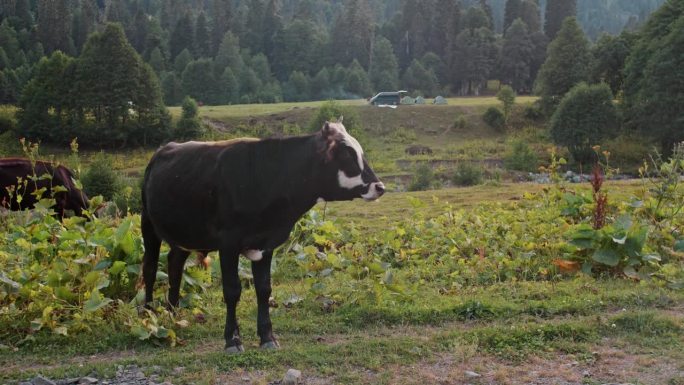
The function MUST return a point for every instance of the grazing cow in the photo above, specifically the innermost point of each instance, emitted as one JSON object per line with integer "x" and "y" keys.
{"x": 244, "y": 196}
{"x": 36, "y": 176}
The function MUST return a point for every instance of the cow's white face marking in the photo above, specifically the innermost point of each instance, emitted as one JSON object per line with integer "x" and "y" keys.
{"x": 349, "y": 141}
{"x": 349, "y": 182}
{"x": 254, "y": 255}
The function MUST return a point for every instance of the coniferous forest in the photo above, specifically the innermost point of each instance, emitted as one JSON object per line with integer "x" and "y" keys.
{"x": 56, "y": 55}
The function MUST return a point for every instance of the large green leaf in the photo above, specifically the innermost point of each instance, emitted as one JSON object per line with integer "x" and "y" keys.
{"x": 95, "y": 302}
{"x": 606, "y": 256}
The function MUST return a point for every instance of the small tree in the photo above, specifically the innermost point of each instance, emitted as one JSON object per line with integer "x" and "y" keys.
{"x": 507, "y": 97}
{"x": 584, "y": 118}
{"x": 189, "y": 125}
{"x": 100, "y": 179}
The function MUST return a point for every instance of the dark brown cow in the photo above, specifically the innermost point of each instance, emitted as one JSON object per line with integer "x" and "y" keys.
{"x": 35, "y": 176}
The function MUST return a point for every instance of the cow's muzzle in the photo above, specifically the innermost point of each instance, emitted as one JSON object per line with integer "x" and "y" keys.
{"x": 375, "y": 191}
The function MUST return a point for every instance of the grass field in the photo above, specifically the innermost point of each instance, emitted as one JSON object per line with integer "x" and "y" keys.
{"x": 570, "y": 330}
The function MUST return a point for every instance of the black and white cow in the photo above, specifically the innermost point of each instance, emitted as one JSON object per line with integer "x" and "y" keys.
{"x": 244, "y": 196}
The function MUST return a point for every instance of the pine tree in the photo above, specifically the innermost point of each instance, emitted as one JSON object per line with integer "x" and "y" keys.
{"x": 54, "y": 26}
{"x": 531, "y": 15}
{"x": 22, "y": 11}
{"x": 610, "y": 54}
{"x": 297, "y": 87}
{"x": 4, "y": 60}
{"x": 511, "y": 12}
{"x": 446, "y": 26}
{"x": 111, "y": 80}
{"x": 140, "y": 31}
{"x": 199, "y": 81}
{"x": 515, "y": 57}
{"x": 229, "y": 55}
{"x": 320, "y": 84}
{"x": 298, "y": 47}
{"x": 567, "y": 64}
{"x": 539, "y": 45}
{"x": 415, "y": 31}
{"x": 654, "y": 80}
{"x": 230, "y": 88}
{"x": 254, "y": 34}
{"x": 350, "y": 38}
{"x": 182, "y": 36}
{"x": 556, "y": 12}
{"x": 189, "y": 125}
{"x": 420, "y": 80}
{"x": 157, "y": 61}
{"x": 172, "y": 89}
{"x": 272, "y": 24}
{"x": 220, "y": 22}
{"x": 357, "y": 80}
{"x": 384, "y": 70}
{"x": 182, "y": 60}
{"x": 477, "y": 52}
{"x": 202, "y": 39}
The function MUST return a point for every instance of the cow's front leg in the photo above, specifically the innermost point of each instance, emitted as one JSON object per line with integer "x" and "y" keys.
{"x": 261, "y": 270}
{"x": 231, "y": 295}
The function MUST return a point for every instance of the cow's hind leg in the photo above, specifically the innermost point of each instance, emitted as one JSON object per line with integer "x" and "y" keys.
{"x": 231, "y": 295}
{"x": 151, "y": 258}
{"x": 261, "y": 270}
{"x": 176, "y": 259}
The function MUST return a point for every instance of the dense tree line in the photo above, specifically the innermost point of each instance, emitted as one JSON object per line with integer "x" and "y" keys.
{"x": 246, "y": 51}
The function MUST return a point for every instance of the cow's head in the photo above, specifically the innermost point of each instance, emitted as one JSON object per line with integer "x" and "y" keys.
{"x": 349, "y": 174}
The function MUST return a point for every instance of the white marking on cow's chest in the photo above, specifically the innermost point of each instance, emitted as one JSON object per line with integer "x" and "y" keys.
{"x": 254, "y": 255}
{"x": 349, "y": 182}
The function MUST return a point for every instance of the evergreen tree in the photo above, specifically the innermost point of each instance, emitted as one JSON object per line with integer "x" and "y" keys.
{"x": 172, "y": 89}
{"x": 420, "y": 80}
{"x": 220, "y": 22}
{"x": 320, "y": 84}
{"x": 250, "y": 84}
{"x": 567, "y": 64}
{"x": 117, "y": 12}
{"x": 475, "y": 18}
{"x": 487, "y": 9}
{"x": 182, "y": 60}
{"x": 230, "y": 88}
{"x": 54, "y": 26}
{"x": 539, "y": 46}
{"x": 42, "y": 102}
{"x": 357, "y": 80}
{"x": 182, "y": 36}
{"x": 447, "y": 17}
{"x": 351, "y": 34}
{"x": 272, "y": 24}
{"x": 189, "y": 125}
{"x": 140, "y": 31}
{"x": 199, "y": 81}
{"x": 511, "y": 12}
{"x": 610, "y": 54}
{"x": 118, "y": 90}
{"x": 157, "y": 61}
{"x": 384, "y": 70}
{"x": 254, "y": 33}
{"x": 531, "y": 15}
{"x": 584, "y": 118}
{"x": 22, "y": 11}
{"x": 654, "y": 79}
{"x": 515, "y": 57}
{"x": 299, "y": 47}
{"x": 4, "y": 60}
{"x": 297, "y": 87}
{"x": 202, "y": 40}
{"x": 477, "y": 52}
{"x": 10, "y": 87}
{"x": 556, "y": 12}
{"x": 229, "y": 55}
{"x": 415, "y": 31}
{"x": 434, "y": 63}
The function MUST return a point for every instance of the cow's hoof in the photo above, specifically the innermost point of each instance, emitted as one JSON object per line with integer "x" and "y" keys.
{"x": 236, "y": 349}
{"x": 270, "y": 345}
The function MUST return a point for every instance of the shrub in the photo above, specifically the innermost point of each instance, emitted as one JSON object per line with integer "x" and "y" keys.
{"x": 628, "y": 152}
{"x": 331, "y": 111}
{"x": 189, "y": 125}
{"x": 403, "y": 135}
{"x": 460, "y": 123}
{"x": 423, "y": 179}
{"x": 520, "y": 157}
{"x": 534, "y": 112}
{"x": 7, "y": 120}
{"x": 100, "y": 179}
{"x": 467, "y": 174}
{"x": 129, "y": 199}
{"x": 507, "y": 97}
{"x": 584, "y": 118}
{"x": 494, "y": 118}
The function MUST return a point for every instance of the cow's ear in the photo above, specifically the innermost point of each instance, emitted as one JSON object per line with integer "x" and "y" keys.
{"x": 340, "y": 119}
{"x": 329, "y": 133}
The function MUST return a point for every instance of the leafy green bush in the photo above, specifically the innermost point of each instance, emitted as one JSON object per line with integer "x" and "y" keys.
{"x": 520, "y": 157}
{"x": 189, "y": 125}
{"x": 460, "y": 123}
{"x": 8, "y": 121}
{"x": 331, "y": 111}
{"x": 494, "y": 118}
{"x": 423, "y": 179}
{"x": 100, "y": 179}
{"x": 585, "y": 117}
{"x": 467, "y": 174}
{"x": 129, "y": 198}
